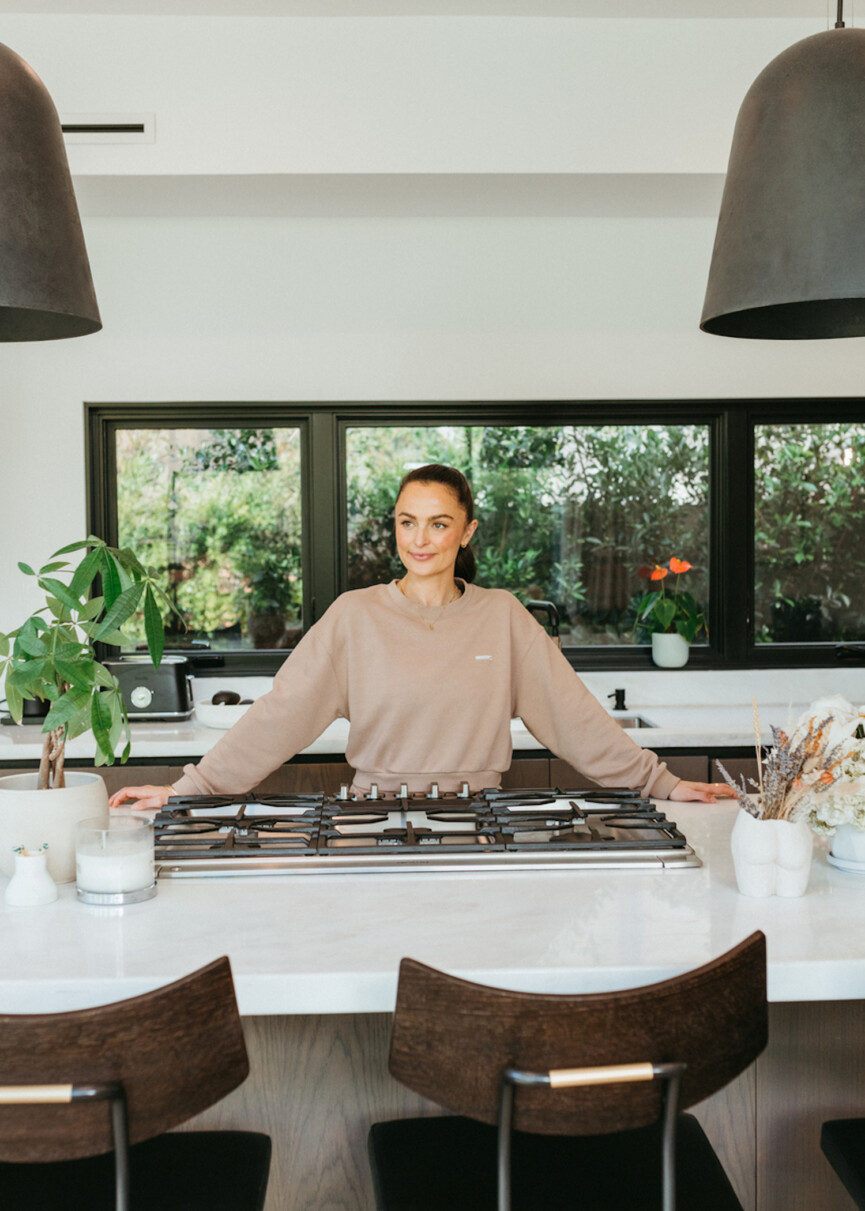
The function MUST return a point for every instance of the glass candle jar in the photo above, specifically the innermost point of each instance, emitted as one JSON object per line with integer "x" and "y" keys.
{"x": 114, "y": 860}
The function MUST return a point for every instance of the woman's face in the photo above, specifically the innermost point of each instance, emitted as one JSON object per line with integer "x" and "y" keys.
{"x": 431, "y": 525}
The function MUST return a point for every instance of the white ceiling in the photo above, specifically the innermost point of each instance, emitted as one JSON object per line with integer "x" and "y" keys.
{"x": 440, "y": 8}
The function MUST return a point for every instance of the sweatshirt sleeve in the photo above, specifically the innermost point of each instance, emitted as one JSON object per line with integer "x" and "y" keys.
{"x": 567, "y": 719}
{"x": 307, "y": 696}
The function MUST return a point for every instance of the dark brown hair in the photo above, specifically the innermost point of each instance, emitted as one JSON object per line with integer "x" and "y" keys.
{"x": 436, "y": 473}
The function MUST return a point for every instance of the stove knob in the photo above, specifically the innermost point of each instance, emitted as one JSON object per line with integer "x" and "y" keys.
{"x": 434, "y": 791}
{"x": 373, "y": 791}
{"x": 464, "y": 793}
{"x": 403, "y": 790}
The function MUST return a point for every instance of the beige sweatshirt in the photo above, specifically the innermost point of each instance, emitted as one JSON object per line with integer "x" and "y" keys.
{"x": 430, "y": 694}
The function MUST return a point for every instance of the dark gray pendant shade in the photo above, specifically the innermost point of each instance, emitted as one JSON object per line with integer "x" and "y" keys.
{"x": 46, "y": 291}
{"x": 789, "y": 256}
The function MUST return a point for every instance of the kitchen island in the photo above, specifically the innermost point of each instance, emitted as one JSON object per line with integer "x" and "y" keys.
{"x": 315, "y": 961}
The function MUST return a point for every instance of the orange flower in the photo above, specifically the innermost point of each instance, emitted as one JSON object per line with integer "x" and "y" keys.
{"x": 826, "y": 778}
{"x": 679, "y": 565}
{"x": 658, "y": 573}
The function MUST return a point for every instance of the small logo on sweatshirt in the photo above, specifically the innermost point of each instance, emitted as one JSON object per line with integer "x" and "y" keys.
{"x": 483, "y": 657}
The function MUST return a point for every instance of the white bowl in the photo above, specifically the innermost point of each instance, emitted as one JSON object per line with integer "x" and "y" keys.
{"x": 221, "y": 715}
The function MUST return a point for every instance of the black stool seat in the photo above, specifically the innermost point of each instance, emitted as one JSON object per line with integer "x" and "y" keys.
{"x": 567, "y": 1100}
{"x": 182, "y": 1171}
{"x": 449, "y": 1164}
{"x": 843, "y": 1143}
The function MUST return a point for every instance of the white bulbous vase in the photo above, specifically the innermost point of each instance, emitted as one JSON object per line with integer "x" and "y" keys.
{"x": 31, "y": 818}
{"x": 771, "y": 857}
{"x": 848, "y": 844}
{"x": 669, "y": 650}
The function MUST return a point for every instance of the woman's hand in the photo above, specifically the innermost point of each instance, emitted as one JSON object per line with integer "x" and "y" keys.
{"x": 705, "y": 792}
{"x": 146, "y": 798}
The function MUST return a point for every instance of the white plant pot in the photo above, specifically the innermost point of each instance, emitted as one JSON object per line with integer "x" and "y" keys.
{"x": 771, "y": 857}
{"x": 31, "y": 818}
{"x": 848, "y": 844}
{"x": 669, "y": 650}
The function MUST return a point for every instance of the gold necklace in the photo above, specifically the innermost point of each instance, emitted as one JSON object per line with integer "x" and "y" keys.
{"x": 432, "y": 625}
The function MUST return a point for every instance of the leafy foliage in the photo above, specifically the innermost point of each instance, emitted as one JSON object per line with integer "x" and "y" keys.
{"x": 51, "y": 656}
{"x": 809, "y": 516}
{"x": 567, "y": 514}
{"x": 218, "y": 513}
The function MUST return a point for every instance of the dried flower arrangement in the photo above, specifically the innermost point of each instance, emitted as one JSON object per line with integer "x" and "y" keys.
{"x": 803, "y": 764}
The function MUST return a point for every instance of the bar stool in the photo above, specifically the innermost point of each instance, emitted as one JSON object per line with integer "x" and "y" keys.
{"x": 92, "y": 1092}
{"x": 843, "y": 1144}
{"x": 562, "y": 1101}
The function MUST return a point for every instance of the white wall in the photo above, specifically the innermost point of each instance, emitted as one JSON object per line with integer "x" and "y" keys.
{"x": 568, "y": 287}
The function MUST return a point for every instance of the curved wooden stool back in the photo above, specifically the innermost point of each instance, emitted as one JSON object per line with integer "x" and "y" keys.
{"x": 452, "y": 1039}
{"x": 176, "y": 1050}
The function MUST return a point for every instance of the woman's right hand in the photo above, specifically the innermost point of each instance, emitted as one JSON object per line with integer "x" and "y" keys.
{"x": 145, "y": 798}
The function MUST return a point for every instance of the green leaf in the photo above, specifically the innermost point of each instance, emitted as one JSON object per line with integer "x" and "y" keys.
{"x": 60, "y": 591}
{"x": 59, "y": 611}
{"x": 90, "y": 541}
{"x": 32, "y": 645}
{"x": 76, "y": 673}
{"x": 27, "y": 673}
{"x": 4, "y": 645}
{"x": 153, "y": 628}
{"x": 61, "y": 712}
{"x": 115, "y": 639}
{"x": 100, "y": 721}
{"x": 26, "y": 569}
{"x": 102, "y": 677}
{"x": 128, "y": 560}
{"x": 52, "y": 567}
{"x": 111, "y": 585}
{"x": 122, "y": 609}
{"x": 15, "y": 701}
{"x": 665, "y": 612}
{"x": 91, "y": 608}
{"x": 85, "y": 572}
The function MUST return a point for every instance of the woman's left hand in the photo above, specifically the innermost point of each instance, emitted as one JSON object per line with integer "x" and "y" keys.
{"x": 705, "y": 792}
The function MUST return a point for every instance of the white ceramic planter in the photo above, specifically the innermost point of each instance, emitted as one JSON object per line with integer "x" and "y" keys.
{"x": 31, "y": 818}
{"x": 848, "y": 844}
{"x": 669, "y": 651}
{"x": 771, "y": 857}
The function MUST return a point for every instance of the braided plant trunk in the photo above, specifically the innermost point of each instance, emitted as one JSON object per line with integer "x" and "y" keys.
{"x": 51, "y": 775}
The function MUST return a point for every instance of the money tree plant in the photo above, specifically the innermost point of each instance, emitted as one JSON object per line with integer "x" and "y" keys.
{"x": 51, "y": 656}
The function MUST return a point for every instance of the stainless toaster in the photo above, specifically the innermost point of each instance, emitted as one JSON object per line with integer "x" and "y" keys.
{"x": 149, "y": 693}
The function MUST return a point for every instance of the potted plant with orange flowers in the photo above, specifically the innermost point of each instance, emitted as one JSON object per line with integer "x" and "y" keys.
{"x": 672, "y": 619}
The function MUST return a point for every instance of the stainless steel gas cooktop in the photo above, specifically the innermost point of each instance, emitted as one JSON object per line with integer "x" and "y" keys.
{"x": 533, "y": 829}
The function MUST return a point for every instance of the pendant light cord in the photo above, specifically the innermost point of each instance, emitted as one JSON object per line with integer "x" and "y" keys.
{"x": 839, "y": 17}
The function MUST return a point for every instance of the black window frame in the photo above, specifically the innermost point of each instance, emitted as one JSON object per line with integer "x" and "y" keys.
{"x": 324, "y": 498}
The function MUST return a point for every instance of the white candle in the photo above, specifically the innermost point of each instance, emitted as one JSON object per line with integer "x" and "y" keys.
{"x": 125, "y": 867}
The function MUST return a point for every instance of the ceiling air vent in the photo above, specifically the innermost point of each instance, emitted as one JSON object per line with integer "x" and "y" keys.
{"x": 108, "y": 128}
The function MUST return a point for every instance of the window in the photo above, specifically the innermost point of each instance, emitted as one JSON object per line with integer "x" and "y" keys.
{"x": 274, "y": 509}
{"x": 809, "y": 519}
{"x": 218, "y": 510}
{"x": 570, "y": 513}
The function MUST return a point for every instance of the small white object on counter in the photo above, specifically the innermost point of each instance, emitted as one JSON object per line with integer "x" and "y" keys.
{"x": 221, "y": 714}
{"x": 31, "y": 884}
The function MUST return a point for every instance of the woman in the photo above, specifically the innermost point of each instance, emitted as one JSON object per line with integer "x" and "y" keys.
{"x": 430, "y": 669}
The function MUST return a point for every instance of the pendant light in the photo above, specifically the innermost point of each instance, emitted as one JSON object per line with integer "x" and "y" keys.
{"x": 46, "y": 291}
{"x": 789, "y": 255}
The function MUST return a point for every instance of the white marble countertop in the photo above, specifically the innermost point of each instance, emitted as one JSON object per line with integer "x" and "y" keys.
{"x": 332, "y": 944}
{"x": 686, "y": 708}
